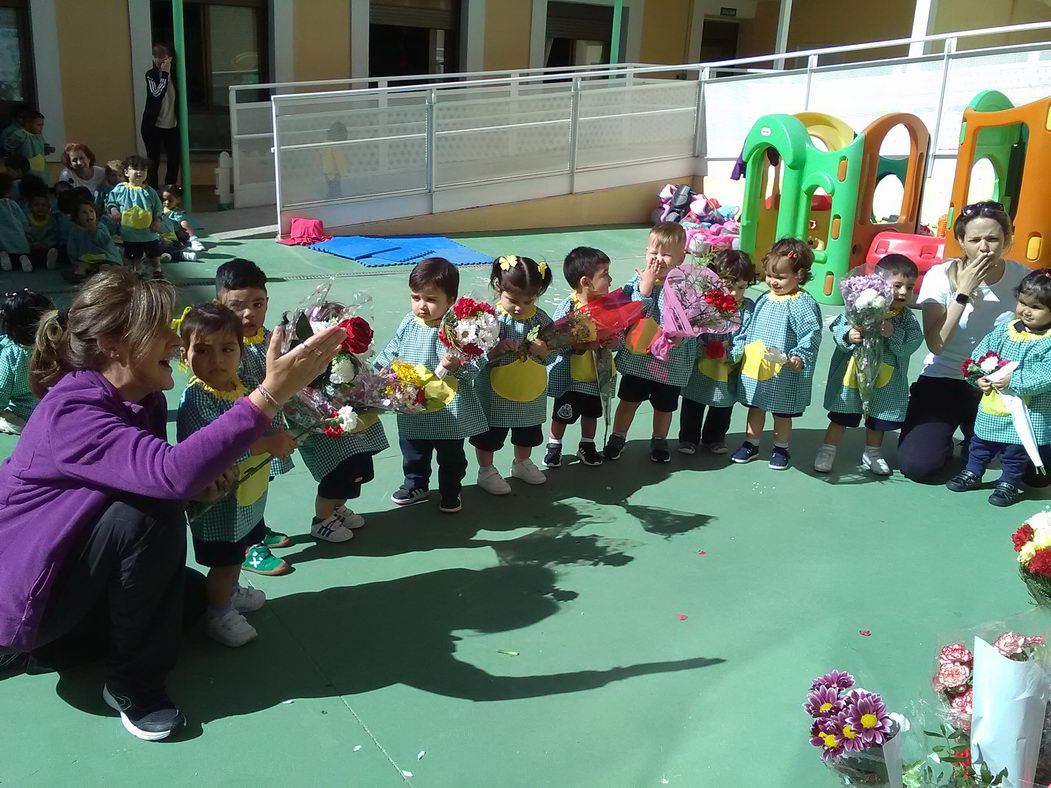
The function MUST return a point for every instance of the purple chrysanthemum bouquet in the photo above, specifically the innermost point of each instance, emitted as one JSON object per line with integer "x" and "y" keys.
{"x": 867, "y": 298}
{"x": 858, "y": 737}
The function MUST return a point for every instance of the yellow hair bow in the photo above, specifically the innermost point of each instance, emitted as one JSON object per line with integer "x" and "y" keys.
{"x": 177, "y": 322}
{"x": 542, "y": 268}
{"x": 507, "y": 262}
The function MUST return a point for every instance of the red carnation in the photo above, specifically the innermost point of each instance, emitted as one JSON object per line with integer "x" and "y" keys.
{"x": 965, "y": 367}
{"x": 1040, "y": 563}
{"x": 951, "y": 675}
{"x": 333, "y": 430}
{"x": 472, "y": 350}
{"x": 466, "y": 307}
{"x": 359, "y": 335}
{"x": 715, "y": 350}
{"x": 1021, "y": 536}
{"x": 421, "y": 397}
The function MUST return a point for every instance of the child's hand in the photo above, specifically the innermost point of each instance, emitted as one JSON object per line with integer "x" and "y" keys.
{"x": 887, "y": 329}
{"x": 503, "y": 346}
{"x": 450, "y": 363}
{"x": 648, "y": 277}
{"x": 114, "y": 214}
{"x": 155, "y": 226}
{"x": 795, "y": 363}
{"x": 984, "y": 385}
{"x": 539, "y": 348}
{"x": 854, "y": 336}
{"x": 1002, "y": 383}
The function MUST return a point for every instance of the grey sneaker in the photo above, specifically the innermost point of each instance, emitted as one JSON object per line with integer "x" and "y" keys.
{"x": 614, "y": 447}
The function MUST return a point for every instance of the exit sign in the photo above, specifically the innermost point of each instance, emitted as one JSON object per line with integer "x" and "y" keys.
{"x": 726, "y": 11}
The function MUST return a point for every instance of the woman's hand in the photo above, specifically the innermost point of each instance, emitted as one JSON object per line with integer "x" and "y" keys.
{"x": 972, "y": 273}
{"x": 219, "y": 487}
{"x": 287, "y": 374}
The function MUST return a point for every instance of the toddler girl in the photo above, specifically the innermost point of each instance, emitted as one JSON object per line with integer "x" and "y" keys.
{"x": 19, "y": 314}
{"x": 176, "y": 230}
{"x": 1025, "y": 340}
{"x": 89, "y": 244}
{"x": 14, "y": 229}
{"x": 43, "y": 231}
{"x": 513, "y": 384}
{"x": 713, "y": 381}
{"x": 137, "y": 208}
{"x": 786, "y": 319}
{"x": 222, "y": 534}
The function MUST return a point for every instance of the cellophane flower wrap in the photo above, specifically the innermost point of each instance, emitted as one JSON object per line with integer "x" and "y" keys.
{"x": 866, "y": 299}
{"x": 696, "y": 301}
{"x": 469, "y": 330}
{"x": 975, "y": 368}
{"x": 1032, "y": 542}
{"x": 600, "y": 320}
{"x": 857, "y": 736}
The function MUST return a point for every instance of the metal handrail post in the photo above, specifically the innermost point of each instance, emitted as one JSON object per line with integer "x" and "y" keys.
{"x": 574, "y": 122}
{"x": 699, "y": 135}
{"x": 950, "y": 48}
{"x": 429, "y": 149}
{"x": 811, "y": 64}
{"x": 277, "y": 163}
{"x": 235, "y": 183}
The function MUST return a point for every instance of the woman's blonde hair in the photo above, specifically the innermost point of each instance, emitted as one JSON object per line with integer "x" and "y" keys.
{"x": 114, "y": 303}
{"x": 978, "y": 210}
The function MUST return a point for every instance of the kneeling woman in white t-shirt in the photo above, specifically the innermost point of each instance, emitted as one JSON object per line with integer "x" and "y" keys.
{"x": 962, "y": 300}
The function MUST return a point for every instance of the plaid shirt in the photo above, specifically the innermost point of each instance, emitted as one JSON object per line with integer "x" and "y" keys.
{"x": 638, "y": 361}
{"x": 505, "y": 373}
{"x": 713, "y": 382}
{"x": 1031, "y": 381}
{"x": 15, "y": 394}
{"x": 252, "y": 371}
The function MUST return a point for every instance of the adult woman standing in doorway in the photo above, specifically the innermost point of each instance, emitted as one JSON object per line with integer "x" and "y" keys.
{"x": 160, "y": 118}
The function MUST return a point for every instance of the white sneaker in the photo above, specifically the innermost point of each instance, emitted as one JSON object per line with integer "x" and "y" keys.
{"x": 527, "y": 472}
{"x": 165, "y": 257}
{"x": 196, "y": 245}
{"x": 189, "y": 257}
{"x": 5, "y": 261}
{"x": 490, "y": 480}
{"x": 348, "y": 517}
{"x": 231, "y": 629}
{"x": 11, "y": 424}
{"x": 51, "y": 261}
{"x": 331, "y": 529}
{"x": 25, "y": 262}
{"x": 825, "y": 459}
{"x": 246, "y": 600}
{"x": 873, "y": 460}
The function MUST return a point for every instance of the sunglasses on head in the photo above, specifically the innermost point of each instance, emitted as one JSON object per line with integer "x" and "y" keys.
{"x": 985, "y": 208}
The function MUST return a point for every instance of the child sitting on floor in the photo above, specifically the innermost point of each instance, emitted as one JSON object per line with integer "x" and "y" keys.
{"x": 902, "y": 336}
{"x": 433, "y": 286}
{"x": 176, "y": 231}
{"x": 14, "y": 229}
{"x": 223, "y": 533}
{"x": 43, "y": 231}
{"x": 89, "y": 244}
{"x": 20, "y": 312}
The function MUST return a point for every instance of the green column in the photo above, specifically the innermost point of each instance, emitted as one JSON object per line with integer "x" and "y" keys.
{"x": 178, "y": 33}
{"x": 614, "y": 44}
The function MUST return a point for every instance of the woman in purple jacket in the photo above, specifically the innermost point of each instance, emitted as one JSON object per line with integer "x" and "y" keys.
{"x": 87, "y": 521}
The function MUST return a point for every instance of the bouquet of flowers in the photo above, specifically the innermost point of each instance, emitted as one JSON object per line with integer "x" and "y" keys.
{"x": 867, "y": 298}
{"x": 469, "y": 329}
{"x": 696, "y": 301}
{"x": 987, "y": 364}
{"x": 1032, "y": 542}
{"x": 598, "y": 321}
{"x": 857, "y": 736}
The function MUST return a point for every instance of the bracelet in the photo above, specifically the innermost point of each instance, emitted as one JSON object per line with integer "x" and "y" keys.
{"x": 268, "y": 396}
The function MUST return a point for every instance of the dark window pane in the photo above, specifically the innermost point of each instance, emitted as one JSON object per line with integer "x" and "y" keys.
{"x": 12, "y": 80}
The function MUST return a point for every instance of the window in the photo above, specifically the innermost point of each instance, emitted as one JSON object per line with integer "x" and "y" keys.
{"x": 225, "y": 45}
{"x": 578, "y": 34}
{"x": 413, "y": 37}
{"x": 16, "y": 65}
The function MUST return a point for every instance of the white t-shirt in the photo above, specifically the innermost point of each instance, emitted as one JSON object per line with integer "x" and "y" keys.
{"x": 990, "y": 304}
{"x": 98, "y": 175}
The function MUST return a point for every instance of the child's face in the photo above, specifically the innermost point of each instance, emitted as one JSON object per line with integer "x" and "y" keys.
{"x": 664, "y": 256}
{"x": 598, "y": 283}
{"x": 249, "y": 305}
{"x": 1032, "y": 313}
{"x": 113, "y": 177}
{"x": 39, "y": 207}
{"x": 214, "y": 358}
{"x": 135, "y": 176}
{"x": 903, "y": 287}
{"x": 170, "y": 201}
{"x": 429, "y": 303}
{"x": 84, "y": 217}
{"x": 781, "y": 278}
{"x": 34, "y": 126}
{"x": 738, "y": 288}
{"x": 516, "y": 302}
{"x": 160, "y": 55}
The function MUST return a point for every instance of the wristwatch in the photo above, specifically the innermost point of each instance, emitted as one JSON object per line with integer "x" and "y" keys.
{"x": 963, "y": 298}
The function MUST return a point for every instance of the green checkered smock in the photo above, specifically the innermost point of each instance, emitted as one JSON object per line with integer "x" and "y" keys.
{"x": 1031, "y": 381}
{"x": 322, "y": 453}
{"x": 15, "y": 394}
{"x": 890, "y": 399}
{"x": 713, "y": 382}
{"x": 252, "y": 371}
{"x": 416, "y": 342}
{"x": 227, "y": 520}
{"x": 635, "y": 358}
{"x": 791, "y": 323}
{"x": 522, "y": 378}
{"x": 568, "y": 368}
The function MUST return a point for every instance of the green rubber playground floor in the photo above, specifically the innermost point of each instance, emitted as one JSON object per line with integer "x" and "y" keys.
{"x": 629, "y": 625}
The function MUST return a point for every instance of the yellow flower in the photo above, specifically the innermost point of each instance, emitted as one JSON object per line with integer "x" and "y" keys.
{"x": 1042, "y": 536}
{"x": 507, "y": 262}
{"x": 1025, "y": 555}
{"x": 406, "y": 372}
{"x": 542, "y": 268}
{"x": 177, "y": 322}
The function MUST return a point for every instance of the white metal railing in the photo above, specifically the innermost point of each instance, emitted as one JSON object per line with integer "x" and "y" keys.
{"x": 472, "y": 142}
{"x": 252, "y": 133}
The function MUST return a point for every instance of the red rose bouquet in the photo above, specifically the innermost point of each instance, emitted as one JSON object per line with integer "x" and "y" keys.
{"x": 696, "y": 301}
{"x": 1032, "y": 542}
{"x": 469, "y": 330}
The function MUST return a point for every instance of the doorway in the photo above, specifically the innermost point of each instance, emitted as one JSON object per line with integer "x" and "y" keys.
{"x": 414, "y": 37}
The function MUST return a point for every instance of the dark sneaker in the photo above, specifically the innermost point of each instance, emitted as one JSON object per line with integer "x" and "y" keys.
{"x": 687, "y": 447}
{"x": 614, "y": 447}
{"x": 588, "y": 454}
{"x": 450, "y": 505}
{"x": 779, "y": 458}
{"x": 746, "y": 453}
{"x": 964, "y": 481}
{"x": 553, "y": 455}
{"x": 659, "y": 451}
{"x": 406, "y": 496}
{"x": 151, "y": 717}
{"x": 1005, "y": 494}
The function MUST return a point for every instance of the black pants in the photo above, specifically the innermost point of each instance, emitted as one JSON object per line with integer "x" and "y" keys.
{"x": 157, "y": 139}
{"x": 715, "y": 426}
{"x": 127, "y": 573}
{"x": 416, "y": 464}
{"x": 937, "y": 407}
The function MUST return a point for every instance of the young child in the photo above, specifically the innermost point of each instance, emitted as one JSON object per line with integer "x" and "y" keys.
{"x": 902, "y": 336}
{"x": 17, "y": 166}
{"x": 137, "y": 209}
{"x": 572, "y": 379}
{"x": 223, "y": 534}
{"x": 176, "y": 229}
{"x": 513, "y": 384}
{"x": 433, "y": 286}
{"x": 43, "y": 231}
{"x": 29, "y": 142}
{"x": 786, "y": 318}
{"x": 19, "y": 314}
{"x": 14, "y": 229}
{"x": 1027, "y": 341}
{"x": 644, "y": 376}
{"x": 89, "y": 244}
{"x": 713, "y": 381}
{"x": 114, "y": 175}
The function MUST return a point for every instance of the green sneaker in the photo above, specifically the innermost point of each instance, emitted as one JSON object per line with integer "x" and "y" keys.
{"x": 275, "y": 538}
{"x": 260, "y": 560}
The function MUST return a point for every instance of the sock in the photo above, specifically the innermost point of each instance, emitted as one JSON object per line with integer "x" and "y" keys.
{"x": 780, "y": 445}
{"x": 584, "y": 441}
{"x": 830, "y": 447}
{"x": 192, "y": 238}
{"x": 659, "y": 438}
{"x": 553, "y": 441}
{"x": 750, "y": 442}
{"x": 215, "y": 613}
{"x": 873, "y": 451}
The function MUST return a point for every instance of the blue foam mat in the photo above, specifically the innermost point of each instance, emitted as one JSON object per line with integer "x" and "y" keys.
{"x": 354, "y": 247}
{"x": 374, "y": 252}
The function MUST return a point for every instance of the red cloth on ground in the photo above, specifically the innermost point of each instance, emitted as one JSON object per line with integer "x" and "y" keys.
{"x": 305, "y": 232}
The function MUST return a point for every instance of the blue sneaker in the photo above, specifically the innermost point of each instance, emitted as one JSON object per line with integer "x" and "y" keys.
{"x": 746, "y": 453}
{"x": 779, "y": 458}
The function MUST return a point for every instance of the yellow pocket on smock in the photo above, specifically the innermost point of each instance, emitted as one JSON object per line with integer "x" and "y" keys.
{"x": 136, "y": 218}
{"x": 253, "y": 488}
{"x": 519, "y": 381}
{"x": 755, "y": 365}
{"x": 850, "y": 375}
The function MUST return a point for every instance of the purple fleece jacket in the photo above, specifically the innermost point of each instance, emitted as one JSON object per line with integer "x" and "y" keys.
{"x": 83, "y": 445}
